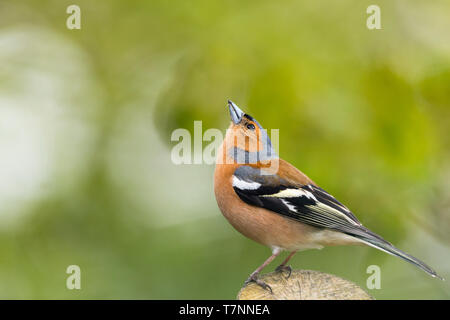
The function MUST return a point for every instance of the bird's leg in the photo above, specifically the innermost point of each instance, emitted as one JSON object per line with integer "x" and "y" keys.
{"x": 283, "y": 267}
{"x": 254, "y": 276}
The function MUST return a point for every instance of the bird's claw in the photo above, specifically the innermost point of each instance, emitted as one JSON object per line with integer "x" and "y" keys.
{"x": 262, "y": 284}
{"x": 282, "y": 268}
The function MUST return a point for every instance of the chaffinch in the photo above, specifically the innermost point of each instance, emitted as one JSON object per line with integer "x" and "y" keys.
{"x": 271, "y": 202}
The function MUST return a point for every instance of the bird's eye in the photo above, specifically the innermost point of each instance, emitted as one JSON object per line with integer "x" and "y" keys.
{"x": 250, "y": 126}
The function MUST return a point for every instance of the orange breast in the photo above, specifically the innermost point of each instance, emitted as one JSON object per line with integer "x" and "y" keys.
{"x": 261, "y": 225}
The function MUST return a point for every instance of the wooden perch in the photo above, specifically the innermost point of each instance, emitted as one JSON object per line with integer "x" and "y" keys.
{"x": 303, "y": 285}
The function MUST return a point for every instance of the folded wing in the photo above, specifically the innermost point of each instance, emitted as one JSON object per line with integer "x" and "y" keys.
{"x": 301, "y": 200}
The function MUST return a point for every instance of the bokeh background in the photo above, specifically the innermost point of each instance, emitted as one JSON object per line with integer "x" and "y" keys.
{"x": 86, "y": 117}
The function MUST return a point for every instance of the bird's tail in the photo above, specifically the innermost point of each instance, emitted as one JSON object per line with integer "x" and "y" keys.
{"x": 379, "y": 243}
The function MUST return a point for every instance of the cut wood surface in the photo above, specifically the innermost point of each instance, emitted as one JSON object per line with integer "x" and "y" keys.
{"x": 303, "y": 285}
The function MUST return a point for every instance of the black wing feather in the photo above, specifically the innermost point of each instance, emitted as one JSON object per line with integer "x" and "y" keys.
{"x": 315, "y": 207}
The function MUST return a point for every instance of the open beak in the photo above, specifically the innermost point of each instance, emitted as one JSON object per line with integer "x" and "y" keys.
{"x": 236, "y": 114}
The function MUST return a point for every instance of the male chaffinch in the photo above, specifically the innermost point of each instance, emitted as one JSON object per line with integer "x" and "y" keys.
{"x": 271, "y": 202}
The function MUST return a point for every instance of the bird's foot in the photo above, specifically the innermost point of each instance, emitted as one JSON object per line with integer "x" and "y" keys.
{"x": 281, "y": 268}
{"x": 254, "y": 278}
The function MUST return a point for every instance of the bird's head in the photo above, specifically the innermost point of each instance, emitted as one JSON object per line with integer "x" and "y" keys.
{"x": 247, "y": 139}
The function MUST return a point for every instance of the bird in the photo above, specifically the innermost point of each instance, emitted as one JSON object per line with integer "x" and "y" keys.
{"x": 270, "y": 201}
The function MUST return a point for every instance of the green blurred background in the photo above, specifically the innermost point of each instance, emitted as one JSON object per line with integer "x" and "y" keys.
{"x": 86, "y": 117}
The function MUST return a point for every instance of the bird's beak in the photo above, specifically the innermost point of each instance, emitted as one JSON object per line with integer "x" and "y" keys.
{"x": 236, "y": 114}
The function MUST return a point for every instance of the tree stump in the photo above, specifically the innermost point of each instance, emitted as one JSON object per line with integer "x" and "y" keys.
{"x": 303, "y": 285}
